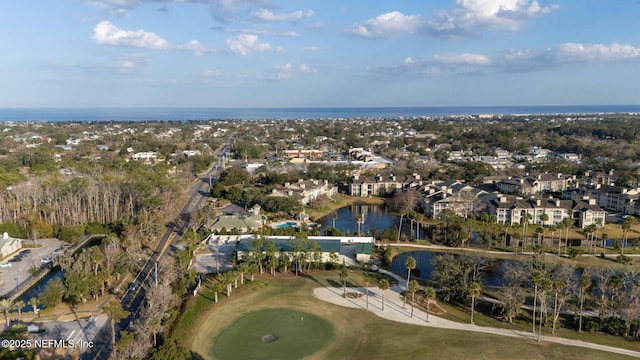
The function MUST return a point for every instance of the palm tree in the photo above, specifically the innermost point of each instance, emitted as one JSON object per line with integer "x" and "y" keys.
{"x": 383, "y": 284}
{"x": 429, "y": 294}
{"x": 367, "y": 279}
{"x": 18, "y": 305}
{"x": 585, "y": 283}
{"x": 538, "y": 231}
{"x": 5, "y": 307}
{"x": 544, "y": 218}
{"x": 334, "y": 217}
{"x": 409, "y": 264}
{"x": 558, "y": 286}
{"x": 566, "y": 223}
{"x": 115, "y": 312}
{"x": 413, "y": 288}
{"x": 359, "y": 221}
{"x": 216, "y": 287}
{"x": 227, "y": 280}
{"x": 535, "y": 277}
{"x": 242, "y": 268}
{"x": 344, "y": 275}
{"x": 545, "y": 285}
{"x": 626, "y": 226}
{"x": 34, "y": 304}
{"x": 526, "y": 217}
{"x": 475, "y": 289}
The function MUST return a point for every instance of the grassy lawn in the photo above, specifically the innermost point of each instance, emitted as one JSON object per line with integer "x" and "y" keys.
{"x": 342, "y": 200}
{"x": 357, "y": 334}
{"x": 272, "y": 334}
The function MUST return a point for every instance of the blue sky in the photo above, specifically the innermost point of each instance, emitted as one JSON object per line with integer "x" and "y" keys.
{"x": 255, "y": 53}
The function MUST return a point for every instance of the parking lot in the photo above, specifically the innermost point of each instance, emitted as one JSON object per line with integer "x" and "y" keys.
{"x": 19, "y": 270}
{"x": 219, "y": 258}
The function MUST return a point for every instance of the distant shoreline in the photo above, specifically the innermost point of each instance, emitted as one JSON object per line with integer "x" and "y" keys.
{"x": 290, "y": 113}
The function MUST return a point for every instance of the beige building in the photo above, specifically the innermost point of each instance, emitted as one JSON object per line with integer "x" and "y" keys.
{"x": 9, "y": 245}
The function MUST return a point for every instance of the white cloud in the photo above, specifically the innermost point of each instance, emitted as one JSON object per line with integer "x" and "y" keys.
{"x": 268, "y": 16}
{"x": 313, "y": 48}
{"x": 291, "y": 33}
{"x": 387, "y": 25}
{"x": 128, "y": 64}
{"x": 195, "y": 47}
{"x": 597, "y": 52}
{"x": 105, "y": 33}
{"x": 440, "y": 65}
{"x": 220, "y": 10}
{"x": 463, "y": 59}
{"x": 244, "y": 44}
{"x": 284, "y": 72}
{"x": 509, "y": 14}
{"x": 465, "y": 19}
{"x": 116, "y": 7}
{"x": 304, "y": 68}
{"x": 569, "y": 53}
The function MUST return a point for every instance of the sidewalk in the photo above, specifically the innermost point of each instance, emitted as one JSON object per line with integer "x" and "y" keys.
{"x": 394, "y": 311}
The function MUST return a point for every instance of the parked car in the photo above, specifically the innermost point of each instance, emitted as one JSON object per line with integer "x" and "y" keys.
{"x": 5, "y": 264}
{"x": 46, "y": 260}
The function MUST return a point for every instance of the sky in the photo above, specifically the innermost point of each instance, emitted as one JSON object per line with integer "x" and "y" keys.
{"x": 318, "y": 53}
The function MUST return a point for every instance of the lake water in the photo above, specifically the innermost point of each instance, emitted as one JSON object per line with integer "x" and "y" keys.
{"x": 375, "y": 217}
{"x": 492, "y": 277}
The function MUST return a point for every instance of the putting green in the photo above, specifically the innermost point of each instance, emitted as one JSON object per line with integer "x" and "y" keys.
{"x": 272, "y": 334}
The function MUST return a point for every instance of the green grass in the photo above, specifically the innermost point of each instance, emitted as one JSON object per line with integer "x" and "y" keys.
{"x": 341, "y": 200}
{"x": 358, "y": 334}
{"x": 297, "y": 334}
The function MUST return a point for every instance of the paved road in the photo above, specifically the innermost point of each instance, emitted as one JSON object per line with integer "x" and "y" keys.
{"x": 133, "y": 299}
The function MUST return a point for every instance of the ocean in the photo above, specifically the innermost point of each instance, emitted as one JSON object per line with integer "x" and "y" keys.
{"x": 196, "y": 113}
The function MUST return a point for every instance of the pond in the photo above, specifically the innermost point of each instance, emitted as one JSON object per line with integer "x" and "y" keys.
{"x": 377, "y": 218}
{"x": 492, "y": 277}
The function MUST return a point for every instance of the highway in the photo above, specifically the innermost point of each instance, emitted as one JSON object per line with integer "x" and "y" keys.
{"x": 133, "y": 299}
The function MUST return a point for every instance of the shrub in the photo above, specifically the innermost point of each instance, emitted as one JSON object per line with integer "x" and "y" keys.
{"x": 615, "y": 326}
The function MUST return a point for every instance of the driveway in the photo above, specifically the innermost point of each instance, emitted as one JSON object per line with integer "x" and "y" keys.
{"x": 19, "y": 271}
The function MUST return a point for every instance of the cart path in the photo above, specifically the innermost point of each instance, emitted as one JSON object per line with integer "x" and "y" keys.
{"x": 393, "y": 310}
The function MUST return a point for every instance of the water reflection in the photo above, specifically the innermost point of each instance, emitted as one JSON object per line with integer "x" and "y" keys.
{"x": 493, "y": 276}
{"x": 377, "y": 218}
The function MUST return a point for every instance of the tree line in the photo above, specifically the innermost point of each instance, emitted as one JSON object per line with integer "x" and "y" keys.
{"x": 556, "y": 293}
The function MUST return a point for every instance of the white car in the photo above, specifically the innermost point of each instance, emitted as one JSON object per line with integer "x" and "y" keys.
{"x": 5, "y": 264}
{"x": 46, "y": 260}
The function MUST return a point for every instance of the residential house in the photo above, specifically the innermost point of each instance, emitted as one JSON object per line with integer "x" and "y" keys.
{"x": 532, "y": 184}
{"x": 462, "y": 199}
{"x": 511, "y": 210}
{"x": 614, "y": 198}
{"x": 243, "y": 223}
{"x": 306, "y": 191}
{"x": 146, "y": 155}
{"x": 373, "y": 186}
